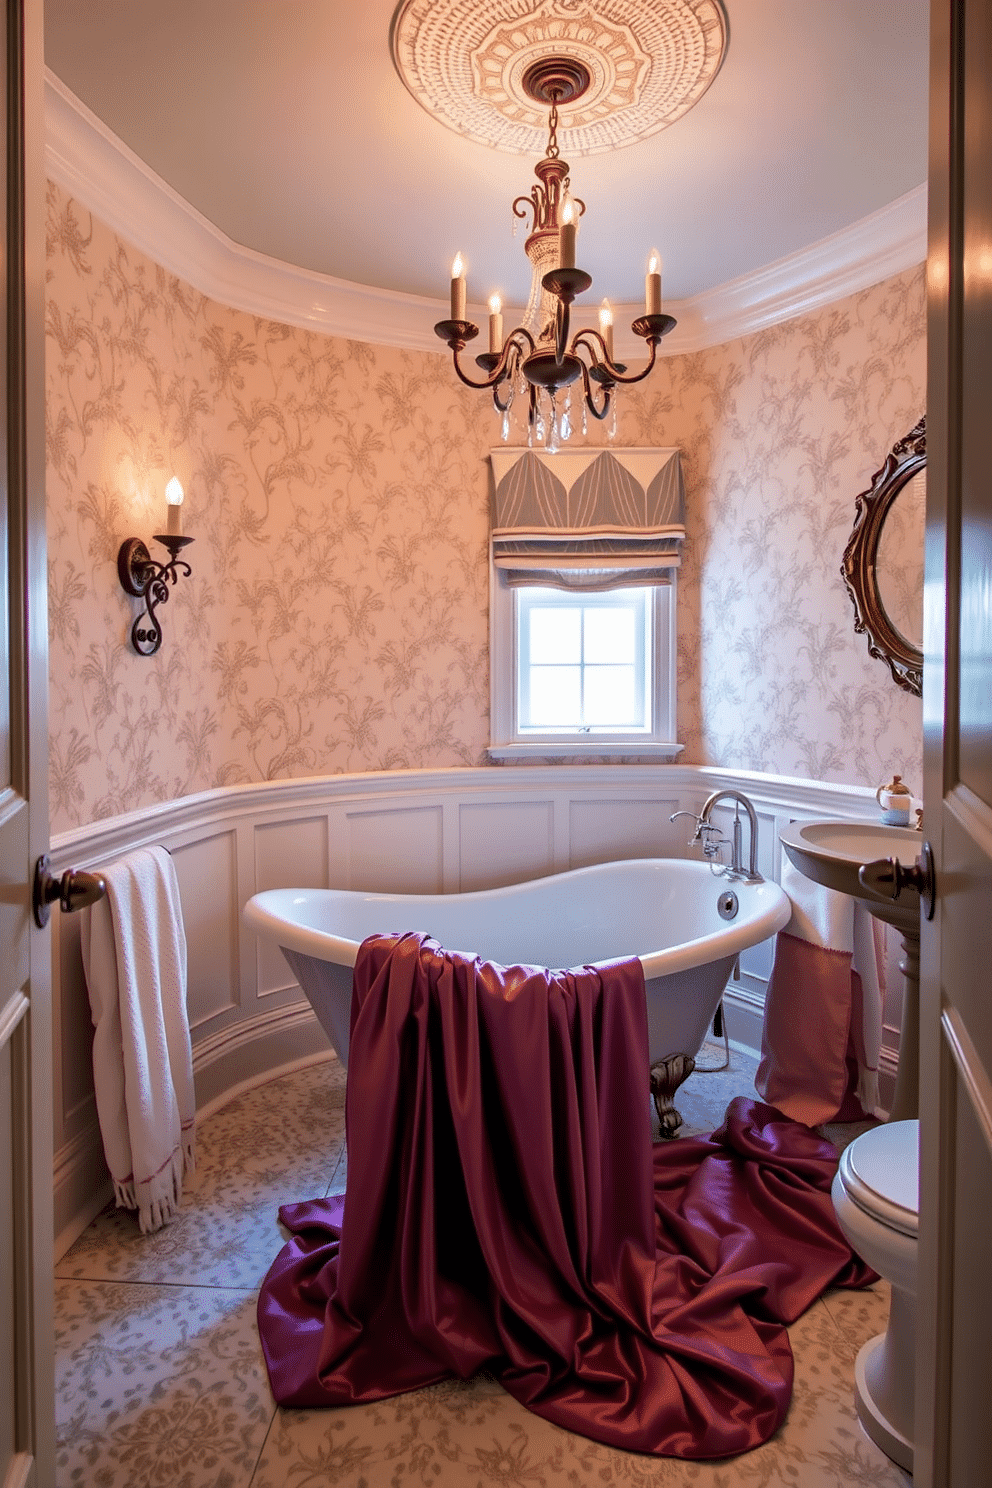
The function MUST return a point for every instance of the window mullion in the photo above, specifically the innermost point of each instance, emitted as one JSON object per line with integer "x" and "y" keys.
{"x": 582, "y": 667}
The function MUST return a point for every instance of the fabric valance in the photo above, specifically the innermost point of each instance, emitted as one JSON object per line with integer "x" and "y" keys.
{"x": 588, "y": 519}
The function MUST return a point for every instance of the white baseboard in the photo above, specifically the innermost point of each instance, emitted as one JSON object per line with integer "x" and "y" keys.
{"x": 82, "y": 1186}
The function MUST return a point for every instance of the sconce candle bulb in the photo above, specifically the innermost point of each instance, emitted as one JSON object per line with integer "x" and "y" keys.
{"x": 652, "y": 284}
{"x": 174, "y": 500}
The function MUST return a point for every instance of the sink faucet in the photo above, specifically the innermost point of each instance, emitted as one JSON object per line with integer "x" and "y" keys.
{"x": 705, "y": 830}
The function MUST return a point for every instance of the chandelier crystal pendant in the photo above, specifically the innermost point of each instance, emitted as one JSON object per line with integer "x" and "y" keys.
{"x": 538, "y": 356}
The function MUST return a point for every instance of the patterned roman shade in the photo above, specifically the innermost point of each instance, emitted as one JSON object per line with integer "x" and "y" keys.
{"x": 587, "y": 519}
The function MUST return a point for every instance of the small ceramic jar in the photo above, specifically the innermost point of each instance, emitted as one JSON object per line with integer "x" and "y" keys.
{"x": 895, "y": 800}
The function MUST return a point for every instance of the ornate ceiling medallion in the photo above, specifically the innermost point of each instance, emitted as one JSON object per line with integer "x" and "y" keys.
{"x": 647, "y": 61}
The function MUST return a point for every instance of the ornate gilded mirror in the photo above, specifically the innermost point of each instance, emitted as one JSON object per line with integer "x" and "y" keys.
{"x": 883, "y": 560}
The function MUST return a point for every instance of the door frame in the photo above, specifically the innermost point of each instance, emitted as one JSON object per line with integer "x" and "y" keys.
{"x": 30, "y": 1041}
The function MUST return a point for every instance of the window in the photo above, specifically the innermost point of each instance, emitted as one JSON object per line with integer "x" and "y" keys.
{"x": 581, "y": 661}
{"x": 582, "y": 672}
{"x": 584, "y": 552}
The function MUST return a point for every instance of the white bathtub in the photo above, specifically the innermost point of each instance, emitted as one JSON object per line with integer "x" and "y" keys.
{"x": 665, "y": 911}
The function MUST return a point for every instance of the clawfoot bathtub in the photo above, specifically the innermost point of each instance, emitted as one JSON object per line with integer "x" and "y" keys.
{"x": 685, "y": 924}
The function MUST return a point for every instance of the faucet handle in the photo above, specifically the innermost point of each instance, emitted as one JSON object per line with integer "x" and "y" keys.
{"x": 697, "y": 819}
{"x": 713, "y": 839}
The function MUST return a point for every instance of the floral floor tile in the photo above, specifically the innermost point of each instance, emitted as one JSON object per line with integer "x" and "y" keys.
{"x": 165, "y": 1385}
{"x": 458, "y": 1434}
{"x": 265, "y": 1132}
{"x": 157, "y": 1386}
{"x": 859, "y": 1315}
{"x": 473, "y": 1435}
{"x": 703, "y": 1100}
{"x": 281, "y": 1142}
{"x": 823, "y": 1436}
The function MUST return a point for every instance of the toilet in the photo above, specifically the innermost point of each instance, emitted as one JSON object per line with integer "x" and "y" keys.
{"x": 876, "y": 1197}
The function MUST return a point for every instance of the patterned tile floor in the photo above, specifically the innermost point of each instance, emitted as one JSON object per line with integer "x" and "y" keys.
{"x": 161, "y": 1382}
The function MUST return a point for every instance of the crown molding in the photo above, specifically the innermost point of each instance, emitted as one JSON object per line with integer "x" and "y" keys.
{"x": 885, "y": 243}
{"x": 88, "y": 161}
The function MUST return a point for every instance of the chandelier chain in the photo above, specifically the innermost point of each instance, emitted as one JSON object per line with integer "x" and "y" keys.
{"x": 553, "y": 151}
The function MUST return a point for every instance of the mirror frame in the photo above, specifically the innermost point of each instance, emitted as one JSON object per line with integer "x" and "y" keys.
{"x": 904, "y": 660}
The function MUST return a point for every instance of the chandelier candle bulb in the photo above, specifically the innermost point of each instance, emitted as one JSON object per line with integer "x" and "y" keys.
{"x": 606, "y": 326}
{"x": 495, "y": 324}
{"x": 174, "y": 503}
{"x": 566, "y": 234}
{"x": 652, "y": 284}
{"x": 458, "y": 288}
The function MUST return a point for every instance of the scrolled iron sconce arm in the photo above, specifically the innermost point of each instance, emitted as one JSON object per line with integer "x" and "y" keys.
{"x": 141, "y": 576}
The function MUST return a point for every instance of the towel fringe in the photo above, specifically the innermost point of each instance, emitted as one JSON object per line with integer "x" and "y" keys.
{"x": 124, "y": 1193}
{"x": 161, "y": 1195}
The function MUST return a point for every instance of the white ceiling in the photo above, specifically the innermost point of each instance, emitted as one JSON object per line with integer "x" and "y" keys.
{"x": 286, "y": 125}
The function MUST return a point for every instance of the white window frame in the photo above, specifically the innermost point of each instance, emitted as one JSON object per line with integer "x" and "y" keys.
{"x": 508, "y": 742}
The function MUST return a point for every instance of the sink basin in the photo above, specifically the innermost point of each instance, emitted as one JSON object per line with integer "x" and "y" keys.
{"x": 831, "y": 852}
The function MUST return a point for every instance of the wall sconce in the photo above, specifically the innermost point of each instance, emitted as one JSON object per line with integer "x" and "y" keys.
{"x": 141, "y": 576}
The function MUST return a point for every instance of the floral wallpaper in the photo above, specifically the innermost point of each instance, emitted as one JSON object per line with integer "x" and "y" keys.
{"x": 336, "y": 617}
{"x": 780, "y": 432}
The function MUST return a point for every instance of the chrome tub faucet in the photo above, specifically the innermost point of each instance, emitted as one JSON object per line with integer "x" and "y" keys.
{"x": 711, "y": 837}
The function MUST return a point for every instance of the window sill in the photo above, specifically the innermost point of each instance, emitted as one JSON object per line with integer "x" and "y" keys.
{"x": 592, "y": 749}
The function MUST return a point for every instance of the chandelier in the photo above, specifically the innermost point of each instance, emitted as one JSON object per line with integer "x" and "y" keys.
{"x": 539, "y": 360}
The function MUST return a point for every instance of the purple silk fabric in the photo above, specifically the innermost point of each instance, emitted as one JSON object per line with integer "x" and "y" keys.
{"x": 505, "y": 1211}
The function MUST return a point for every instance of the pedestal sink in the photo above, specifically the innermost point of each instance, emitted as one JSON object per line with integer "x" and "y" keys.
{"x": 832, "y": 853}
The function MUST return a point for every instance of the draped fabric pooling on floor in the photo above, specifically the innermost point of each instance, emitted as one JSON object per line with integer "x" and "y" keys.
{"x": 505, "y": 1211}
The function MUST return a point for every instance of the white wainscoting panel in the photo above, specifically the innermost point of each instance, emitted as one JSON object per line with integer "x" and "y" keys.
{"x": 396, "y": 850}
{"x": 75, "y": 1108}
{"x": 605, "y": 828}
{"x": 207, "y": 874}
{"x": 503, "y": 842}
{"x": 286, "y": 852}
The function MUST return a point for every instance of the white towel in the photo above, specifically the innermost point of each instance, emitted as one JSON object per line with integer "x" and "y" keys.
{"x": 134, "y": 957}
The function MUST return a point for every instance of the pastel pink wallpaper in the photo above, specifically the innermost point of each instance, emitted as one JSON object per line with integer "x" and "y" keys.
{"x": 781, "y": 431}
{"x": 338, "y": 494}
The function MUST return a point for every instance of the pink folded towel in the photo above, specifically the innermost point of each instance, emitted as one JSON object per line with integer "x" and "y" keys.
{"x": 822, "y": 1032}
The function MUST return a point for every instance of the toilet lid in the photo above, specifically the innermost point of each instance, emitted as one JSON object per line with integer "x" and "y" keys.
{"x": 880, "y": 1171}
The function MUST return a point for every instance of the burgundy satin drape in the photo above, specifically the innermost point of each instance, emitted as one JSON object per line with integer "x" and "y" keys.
{"x": 505, "y": 1211}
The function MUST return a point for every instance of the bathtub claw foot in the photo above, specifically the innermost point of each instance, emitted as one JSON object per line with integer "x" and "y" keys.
{"x": 666, "y": 1076}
